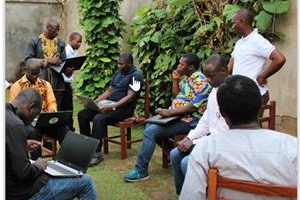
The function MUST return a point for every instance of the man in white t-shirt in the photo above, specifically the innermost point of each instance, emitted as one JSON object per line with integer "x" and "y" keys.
{"x": 251, "y": 52}
{"x": 215, "y": 70}
{"x": 245, "y": 151}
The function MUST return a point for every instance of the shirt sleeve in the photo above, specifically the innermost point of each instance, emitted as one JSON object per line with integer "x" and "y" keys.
{"x": 137, "y": 77}
{"x": 201, "y": 90}
{"x": 13, "y": 91}
{"x": 201, "y": 129}
{"x": 31, "y": 49}
{"x": 62, "y": 50}
{"x": 50, "y": 100}
{"x": 264, "y": 47}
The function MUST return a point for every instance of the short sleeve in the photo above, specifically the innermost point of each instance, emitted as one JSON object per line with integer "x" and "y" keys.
{"x": 138, "y": 79}
{"x": 264, "y": 47}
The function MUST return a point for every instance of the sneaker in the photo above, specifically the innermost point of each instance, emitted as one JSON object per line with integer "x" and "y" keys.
{"x": 97, "y": 158}
{"x": 135, "y": 176}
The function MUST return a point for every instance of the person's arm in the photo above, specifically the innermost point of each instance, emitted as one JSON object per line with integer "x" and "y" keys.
{"x": 277, "y": 61}
{"x": 175, "y": 83}
{"x": 105, "y": 95}
{"x": 50, "y": 101}
{"x": 230, "y": 65}
{"x": 30, "y": 50}
{"x": 180, "y": 111}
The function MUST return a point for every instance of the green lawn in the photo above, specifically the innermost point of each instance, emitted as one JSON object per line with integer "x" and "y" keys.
{"x": 108, "y": 174}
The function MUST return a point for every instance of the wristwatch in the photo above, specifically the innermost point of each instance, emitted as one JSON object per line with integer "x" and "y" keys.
{"x": 113, "y": 108}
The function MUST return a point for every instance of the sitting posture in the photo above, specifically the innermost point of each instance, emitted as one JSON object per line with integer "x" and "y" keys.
{"x": 23, "y": 179}
{"x": 31, "y": 80}
{"x": 190, "y": 100}
{"x": 246, "y": 151}
{"x": 124, "y": 90}
{"x": 215, "y": 70}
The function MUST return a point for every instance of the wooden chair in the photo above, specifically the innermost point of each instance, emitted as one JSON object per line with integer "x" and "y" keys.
{"x": 215, "y": 181}
{"x": 270, "y": 118}
{"x": 125, "y": 127}
{"x": 46, "y": 152}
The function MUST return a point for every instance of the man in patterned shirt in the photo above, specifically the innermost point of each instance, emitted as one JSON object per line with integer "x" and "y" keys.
{"x": 31, "y": 80}
{"x": 190, "y": 97}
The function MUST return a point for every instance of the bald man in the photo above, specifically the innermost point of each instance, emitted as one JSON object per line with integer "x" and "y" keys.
{"x": 51, "y": 51}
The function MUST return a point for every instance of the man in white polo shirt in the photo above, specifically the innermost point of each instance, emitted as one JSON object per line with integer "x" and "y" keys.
{"x": 251, "y": 52}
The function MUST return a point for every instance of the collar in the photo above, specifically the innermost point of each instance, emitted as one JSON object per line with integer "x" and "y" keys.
{"x": 128, "y": 72}
{"x": 254, "y": 32}
{"x": 71, "y": 49}
{"x": 25, "y": 80}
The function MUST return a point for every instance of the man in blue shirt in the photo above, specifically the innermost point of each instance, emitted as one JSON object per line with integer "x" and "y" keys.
{"x": 124, "y": 90}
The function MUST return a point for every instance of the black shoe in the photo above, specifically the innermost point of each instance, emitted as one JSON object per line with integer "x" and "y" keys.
{"x": 98, "y": 158}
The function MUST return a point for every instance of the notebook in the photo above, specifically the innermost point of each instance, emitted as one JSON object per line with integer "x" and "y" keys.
{"x": 73, "y": 157}
{"x": 45, "y": 120}
{"x": 92, "y": 105}
{"x": 157, "y": 119}
{"x": 75, "y": 62}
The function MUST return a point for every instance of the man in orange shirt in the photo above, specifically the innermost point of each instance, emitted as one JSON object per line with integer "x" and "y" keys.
{"x": 31, "y": 80}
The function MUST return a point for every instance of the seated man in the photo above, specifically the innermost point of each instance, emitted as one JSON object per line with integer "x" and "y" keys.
{"x": 190, "y": 97}
{"x": 23, "y": 179}
{"x": 216, "y": 71}
{"x": 124, "y": 90}
{"x": 246, "y": 151}
{"x": 31, "y": 80}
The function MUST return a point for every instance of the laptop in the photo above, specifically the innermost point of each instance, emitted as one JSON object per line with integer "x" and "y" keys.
{"x": 45, "y": 120}
{"x": 75, "y": 62}
{"x": 158, "y": 119}
{"x": 92, "y": 105}
{"x": 73, "y": 157}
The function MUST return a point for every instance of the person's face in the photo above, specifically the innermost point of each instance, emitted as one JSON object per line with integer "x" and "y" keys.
{"x": 183, "y": 66}
{"x": 27, "y": 112}
{"x": 76, "y": 42}
{"x": 237, "y": 24}
{"x": 123, "y": 66}
{"x": 32, "y": 74}
{"x": 52, "y": 30}
{"x": 214, "y": 75}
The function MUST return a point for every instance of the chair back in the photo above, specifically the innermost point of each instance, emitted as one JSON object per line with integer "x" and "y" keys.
{"x": 215, "y": 181}
{"x": 147, "y": 98}
{"x": 270, "y": 117}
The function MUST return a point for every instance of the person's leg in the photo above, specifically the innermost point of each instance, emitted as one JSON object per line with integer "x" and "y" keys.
{"x": 184, "y": 164}
{"x": 68, "y": 104}
{"x": 84, "y": 118}
{"x": 68, "y": 188}
{"x": 59, "y": 99}
{"x": 176, "y": 157}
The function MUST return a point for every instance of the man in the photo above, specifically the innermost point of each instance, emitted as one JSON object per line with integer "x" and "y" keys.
{"x": 251, "y": 52}
{"x": 246, "y": 151}
{"x": 23, "y": 179}
{"x": 216, "y": 71}
{"x": 124, "y": 90}
{"x": 190, "y": 97}
{"x": 71, "y": 51}
{"x": 51, "y": 50}
{"x": 31, "y": 80}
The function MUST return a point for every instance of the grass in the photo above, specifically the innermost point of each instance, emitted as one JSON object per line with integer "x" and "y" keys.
{"x": 108, "y": 174}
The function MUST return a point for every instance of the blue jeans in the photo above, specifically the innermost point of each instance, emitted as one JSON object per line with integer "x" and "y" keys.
{"x": 179, "y": 162}
{"x": 67, "y": 188}
{"x": 153, "y": 134}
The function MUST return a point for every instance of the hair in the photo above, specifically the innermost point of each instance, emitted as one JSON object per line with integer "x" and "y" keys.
{"x": 32, "y": 63}
{"x": 52, "y": 22}
{"x": 192, "y": 59}
{"x": 240, "y": 99}
{"x": 216, "y": 60}
{"x": 246, "y": 15}
{"x": 127, "y": 57}
{"x": 31, "y": 96}
{"x": 74, "y": 35}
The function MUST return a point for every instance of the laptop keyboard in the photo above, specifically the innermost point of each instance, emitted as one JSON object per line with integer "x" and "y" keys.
{"x": 59, "y": 169}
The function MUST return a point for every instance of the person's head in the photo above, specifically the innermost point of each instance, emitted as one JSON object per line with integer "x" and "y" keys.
{"x": 239, "y": 100}
{"x": 52, "y": 28}
{"x": 215, "y": 69}
{"x": 125, "y": 62}
{"x": 188, "y": 64}
{"x": 75, "y": 40}
{"x": 32, "y": 69}
{"x": 242, "y": 22}
{"x": 28, "y": 104}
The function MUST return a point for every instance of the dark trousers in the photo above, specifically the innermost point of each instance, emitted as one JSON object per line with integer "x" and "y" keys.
{"x": 57, "y": 133}
{"x": 59, "y": 95}
{"x": 100, "y": 121}
{"x": 67, "y": 103}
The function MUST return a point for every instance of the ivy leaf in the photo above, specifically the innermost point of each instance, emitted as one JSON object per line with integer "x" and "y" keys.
{"x": 156, "y": 37}
{"x": 113, "y": 41}
{"x": 276, "y": 7}
{"x": 105, "y": 59}
{"x": 179, "y": 3}
{"x": 281, "y": 36}
{"x": 263, "y": 21}
{"x": 230, "y": 10}
{"x": 90, "y": 24}
{"x": 107, "y": 21}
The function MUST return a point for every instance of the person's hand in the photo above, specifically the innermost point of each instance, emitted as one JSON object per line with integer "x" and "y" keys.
{"x": 185, "y": 144}
{"x": 261, "y": 81}
{"x": 106, "y": 109}
{"x": 163, "y": 112}
{"x": 54, "y": 61}
{"x": 69, "y": 71}
{"x": 32, "y": 145}
{"x": 175, "y": 75}
{"x": 136, "y": 85}
{"x": 41, "y": 163}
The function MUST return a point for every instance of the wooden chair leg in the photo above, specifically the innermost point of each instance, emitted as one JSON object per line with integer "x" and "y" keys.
{"x": 128, "y": 138}
{"x": 123, "y": 143}
{"x": 105, "y": 142}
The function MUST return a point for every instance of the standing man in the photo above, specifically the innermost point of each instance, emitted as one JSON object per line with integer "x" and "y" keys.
{"x": 26, "y": 180}
{"x": 245, "y": 151}
{"x": 124, "y": 90}
{"x": 216, "y": 71}
{"x": 71, "y": 52}
{"x": 190, "y": 97}
{"x": 251, "y": 52}
{"x": 51, "y": 50}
